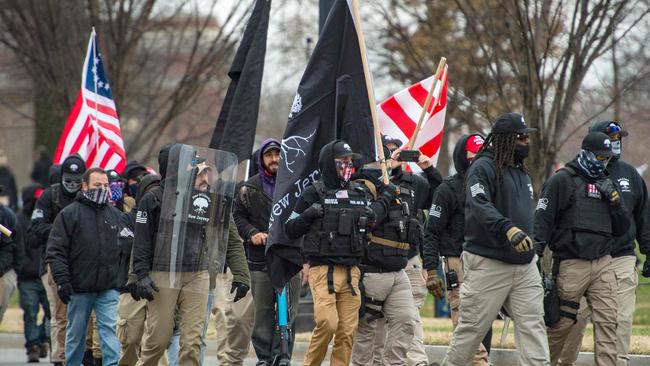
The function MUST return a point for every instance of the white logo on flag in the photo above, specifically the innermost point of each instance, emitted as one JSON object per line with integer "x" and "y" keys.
{"x": 293, "y": 147}
{"x": 477, "y": 189}
{"x": 296, "y": 107}
{"x": 141, "y": 217}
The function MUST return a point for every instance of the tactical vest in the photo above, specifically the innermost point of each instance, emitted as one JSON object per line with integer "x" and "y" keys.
{"x": 341, "y": 232}
{"x": 589, "y": 212}
{"x": 393, "y": 242}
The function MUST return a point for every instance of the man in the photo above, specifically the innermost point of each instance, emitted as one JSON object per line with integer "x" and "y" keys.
{"x": 51, "y": 202}
{"x": 9, "y": 195}
{"x": 635, "y": 197}
{"x": 185, "y": 290}
{"x": 30, "y": 286}
{"x": 445, "y": 233}
{"x": 333, "y": 214}
{"x": 132, "y": 171}
{"x": 498, "y": 257}
{"x": 251, "y": 213}
{"x": 119, "y": 198}
{"x": 578, "y": 214}
{"x": 83, "y": 255}
{"x": 388, "y": 290}
{"x": 11, "y": 256}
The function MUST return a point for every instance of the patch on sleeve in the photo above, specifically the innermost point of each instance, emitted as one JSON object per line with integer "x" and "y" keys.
{"x": 435, "y": 211}
{"x": 477, "y": 189}
{"x": 141, "y": 217}
{"x": 37, "y": 214}
{"x": 542, "y": 204}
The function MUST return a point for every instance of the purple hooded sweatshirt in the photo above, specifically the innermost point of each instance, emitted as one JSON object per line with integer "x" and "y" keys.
{"x": 268, "y": 179}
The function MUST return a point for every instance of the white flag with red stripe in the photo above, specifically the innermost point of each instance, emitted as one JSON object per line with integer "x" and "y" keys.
{"x": 398, "y": 116}
{"x": 93, "y": 127}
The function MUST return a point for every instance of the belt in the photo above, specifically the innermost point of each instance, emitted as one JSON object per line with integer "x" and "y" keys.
{"x": 389, "y": 243}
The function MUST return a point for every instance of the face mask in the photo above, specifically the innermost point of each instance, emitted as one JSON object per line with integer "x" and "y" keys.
{"x": 117, "y": 191}
{"x": 590, "y": 165}
{"x": 133, "y": 189}
{"x": 344, "y": 170}
{"x": 616, "y": 147}
{"x": 71, "y": 182}
{"x": 98, "y": 195}
{"x": 521, "y": 152}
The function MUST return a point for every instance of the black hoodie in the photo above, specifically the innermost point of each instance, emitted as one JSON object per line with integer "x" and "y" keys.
{"x": 445, "y": 231}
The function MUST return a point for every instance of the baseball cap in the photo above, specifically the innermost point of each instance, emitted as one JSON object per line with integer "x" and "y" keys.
{"x": 133, "y": 169}
{"x": 273, "y": 145}
{"x": 511, "y": 123}
{"x": 73, "y": 164}
{"x": 608, "y": 128}
{"x": 343, "y": 149}
{"x": 598, "y": 143}
{"x": 474, "y": 143}
{"x": 387, "y": 139}
{"x": 113, "y": 176}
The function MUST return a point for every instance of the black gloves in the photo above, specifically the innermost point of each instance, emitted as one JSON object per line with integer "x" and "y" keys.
{"x": 65, "y": 291}
{"x": 313, "y": 212}
{"x": 646, "y": 268}
{"x": 143, "y": 289}
{"x": 241, "y": 289}
{"x": 607, "y": 188}
{"x": 390, "y": 191}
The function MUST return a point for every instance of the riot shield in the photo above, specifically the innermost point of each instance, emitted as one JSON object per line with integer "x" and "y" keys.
{"x": 195, "y": 213}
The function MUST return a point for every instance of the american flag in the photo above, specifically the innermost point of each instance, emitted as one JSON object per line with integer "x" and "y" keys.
{"x": 398, "y": 116}
{"x": 93, "y": 127}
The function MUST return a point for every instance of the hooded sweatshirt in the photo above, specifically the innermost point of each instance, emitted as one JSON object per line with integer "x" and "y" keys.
{"x": 268, "y": 179}
{"x": 445, "y": 231}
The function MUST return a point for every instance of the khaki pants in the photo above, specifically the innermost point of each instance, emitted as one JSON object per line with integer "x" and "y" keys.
{"x": 7, "y": 287}
{"x": 394, "y": 289}
{"x": 59, "y": 320}
{"x": 190, "y": 301}
{"x": 488, "y": 285}
{"x": 130, "y": 328}
{"x": 234, "y": 322}
{"x": 336, "y": 314}
{"x": 481, "y": 356}
{"x": 626, "y": 283}
{"x": 92, "y": 337}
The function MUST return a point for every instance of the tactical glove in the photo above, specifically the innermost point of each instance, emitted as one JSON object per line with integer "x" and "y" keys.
{"x": 435, "y": 284}
{"x": 607, "y": 188}
{"x": 65, "y": 292}
{"x": 519, "y": 239}
{"x": 314, "y": 212}
{"x": 242, "y": 290}
{"x": 144, "y": 289}
{"x": 646, "y": 269}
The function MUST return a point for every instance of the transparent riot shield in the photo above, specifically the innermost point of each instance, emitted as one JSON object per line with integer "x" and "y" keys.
{"x": 195, "y": 214}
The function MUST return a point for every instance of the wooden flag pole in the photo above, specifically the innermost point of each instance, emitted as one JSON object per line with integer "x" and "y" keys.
{"x": 5, "y": 231}
{"x": 427, "y": 103}
{"x": 371, "y": 93}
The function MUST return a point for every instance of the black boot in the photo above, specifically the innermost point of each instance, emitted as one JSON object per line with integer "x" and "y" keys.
{"x": 88, "y": 359}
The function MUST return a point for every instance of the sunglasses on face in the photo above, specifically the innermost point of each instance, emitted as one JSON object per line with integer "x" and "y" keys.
{"x": 601, "y": 158}
{"x": 523, "y": 137}
{"x": 613, "y": 128}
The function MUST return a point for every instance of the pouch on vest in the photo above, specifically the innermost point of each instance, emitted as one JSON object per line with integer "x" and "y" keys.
{"x": 345, "y": 222}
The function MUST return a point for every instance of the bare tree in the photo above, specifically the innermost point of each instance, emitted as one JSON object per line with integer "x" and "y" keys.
{"x": 161, "y": 58}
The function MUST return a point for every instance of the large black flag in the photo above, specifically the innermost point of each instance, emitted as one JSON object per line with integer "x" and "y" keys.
{"x": 331, "y": 102}
{"x": 235, "y": 128}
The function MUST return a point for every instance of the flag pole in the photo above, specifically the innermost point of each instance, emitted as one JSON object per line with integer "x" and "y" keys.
{"x": 95, "y": 125}
{"x": 371, "y": 93}
{"x": 427, "y": 103}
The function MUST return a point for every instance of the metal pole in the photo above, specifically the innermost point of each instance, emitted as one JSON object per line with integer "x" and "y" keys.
{"x": 324, "y": 7}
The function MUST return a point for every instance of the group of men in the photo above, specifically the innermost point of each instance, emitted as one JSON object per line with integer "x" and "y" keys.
{"x": 119, "y": 263}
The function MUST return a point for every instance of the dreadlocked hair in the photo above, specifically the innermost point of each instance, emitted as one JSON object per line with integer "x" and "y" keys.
{"x": 503, "y": 148}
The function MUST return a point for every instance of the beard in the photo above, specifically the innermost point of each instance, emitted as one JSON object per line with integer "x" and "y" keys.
{"x": 272, "y": 168}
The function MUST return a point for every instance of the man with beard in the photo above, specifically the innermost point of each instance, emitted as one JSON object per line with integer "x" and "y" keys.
{"x": 498, "y": 256}
{"x": 51, "y": 202}
{"x": 635, "y": 196}
{"x": 578, "y": 215}
{"x": 445, "y": 233}
{"x": 251, "y": 212}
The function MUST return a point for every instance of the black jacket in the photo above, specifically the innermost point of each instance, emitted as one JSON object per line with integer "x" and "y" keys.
{"x": 82, "y": 248}
{"x": 48, "y": 206}
{"x": 33, "y": 250}
{"x": 445, "y": 230}
{"x": 558, "y": 196}
{"x": 11, "y": 248}
{"x": 251, "y": 213}
{"x": 635, "y": 196}
{"x": 493, "y": 206}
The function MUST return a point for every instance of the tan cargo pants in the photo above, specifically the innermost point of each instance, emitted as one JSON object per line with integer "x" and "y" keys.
{"x": 190, "y": 300}
{"x": 488, "y": 285}
{"x": 8, "y": 283}
{"x": 336, "y": 314}
{"x": 626, "y": 283}
{"x": 394, "y": 289}
{"x": 130, "y": 328}
{"x": 234, "y": 322}
{"x": 58, "y": 320}
{"x": 481, "y": 356}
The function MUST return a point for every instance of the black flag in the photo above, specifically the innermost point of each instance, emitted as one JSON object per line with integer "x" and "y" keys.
{"x": 235, "y": 127}
{"x": 331, "y": 102}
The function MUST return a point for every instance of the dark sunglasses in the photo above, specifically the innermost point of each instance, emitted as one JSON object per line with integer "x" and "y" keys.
{"x": 523, "y": 137}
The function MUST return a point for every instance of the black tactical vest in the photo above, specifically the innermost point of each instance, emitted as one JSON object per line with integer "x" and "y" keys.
{"x": 589, "y": 212}
{"x": 341, "y": 233}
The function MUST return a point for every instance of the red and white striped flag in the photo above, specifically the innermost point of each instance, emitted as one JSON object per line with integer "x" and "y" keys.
{"x": 93, "y": 127}
{"x": 398, "y": 116}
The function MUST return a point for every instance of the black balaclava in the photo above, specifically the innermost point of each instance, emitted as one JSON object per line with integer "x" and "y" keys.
{"x": 72, "y": 169}
{"x": 163, "y": 158}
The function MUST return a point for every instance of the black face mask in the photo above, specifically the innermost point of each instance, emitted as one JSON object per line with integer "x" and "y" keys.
{"x": 521, "y": 152}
